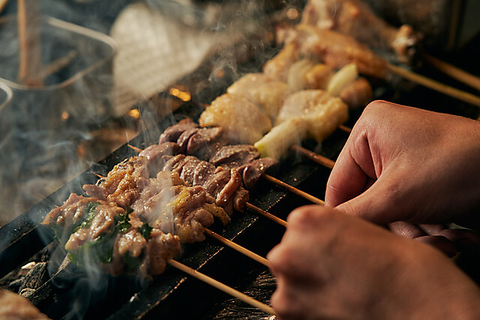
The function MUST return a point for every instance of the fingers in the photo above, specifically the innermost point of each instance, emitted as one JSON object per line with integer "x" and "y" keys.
{"x": 346, "y": 181}
{"x": 429, "y": 234}
{"x": 353, "y": 172}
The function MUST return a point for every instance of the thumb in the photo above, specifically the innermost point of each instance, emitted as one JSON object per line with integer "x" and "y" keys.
{"x": 378, "y": 204}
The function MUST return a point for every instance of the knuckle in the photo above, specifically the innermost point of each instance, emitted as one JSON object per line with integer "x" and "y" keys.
{"x": 310, "y": 216}
{"x": 285, "y": 306}
{"x": 283, "y": 260}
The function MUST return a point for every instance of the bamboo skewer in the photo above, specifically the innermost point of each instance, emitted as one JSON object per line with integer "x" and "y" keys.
{"x": 30, "y": 46}
{"x": 267, "y": 214}
{"x": 293, "y": 189}
{"x": 3, "y": 3}
{"x": 452, "y": 71}
{"x": 237, "y": 247}
{"x": 223, "y": 287}
{"x": 344, "y": 128}
{"x": 435, "y": 85}
{"x": 314, "y": 156}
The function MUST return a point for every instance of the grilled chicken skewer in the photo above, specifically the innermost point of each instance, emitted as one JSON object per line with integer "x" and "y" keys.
{"x": 338, "y": 50}
{"x": 356, "y": 19}
{"x": 232, "y": 157}
{"x": 129, "y": 187}
{"x": 129, "y": 177}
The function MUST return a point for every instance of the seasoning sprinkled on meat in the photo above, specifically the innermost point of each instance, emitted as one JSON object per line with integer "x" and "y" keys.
{"x": 155, "y": 152}
{"x": 123, "y": 184}
{"x": 221, "y": 184}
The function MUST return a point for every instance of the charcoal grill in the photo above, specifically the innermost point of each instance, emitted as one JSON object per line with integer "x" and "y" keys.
{"x": 174, "y": 295}
{"x": 128, "y": 298}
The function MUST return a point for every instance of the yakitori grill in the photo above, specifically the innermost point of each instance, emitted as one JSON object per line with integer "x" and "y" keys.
{"x": 198, "y": 137}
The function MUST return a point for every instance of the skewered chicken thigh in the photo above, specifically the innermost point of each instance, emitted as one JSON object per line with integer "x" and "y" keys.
{"x": 356, "y": 19}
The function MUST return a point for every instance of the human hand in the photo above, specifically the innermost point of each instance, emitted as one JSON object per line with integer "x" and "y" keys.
{"x": 406, "y": 164}
{"x": 334, "y": 266}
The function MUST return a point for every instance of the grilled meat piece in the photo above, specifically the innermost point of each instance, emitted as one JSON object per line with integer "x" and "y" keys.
{"x": 168, "y": 204}
{"x": 356, "y": 19}
{"x": 246, "y": 160}
{"x": 128, "y": 246}
{"x": 204, "y": 142}
{"x": 338, "y": 50}
{"x": 224, "y": 185}
{"x": 235, "y": 155}
{"x": 172, "y": 133}
{"x": 278, "y": 67}
{"x": 252, "y": 171}
{"x": 132, "y": 252}
{"x": 357, "y": 94}
{"x": 161, "y": 247}
{"x": 123, "y": 183}
{"x": 73, "y": 213}
{"x": 320, "y": 112}
{"x": 155, "y": 152}
{"x": 100, "y": 221}
{"x": 267, "y": 93}
{"x": 242, "y": 121}
{"x": 73, "y": 210}
{"x": 192, "y": 140}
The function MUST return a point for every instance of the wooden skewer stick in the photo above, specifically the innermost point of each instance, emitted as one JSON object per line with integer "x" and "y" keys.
{"x": 267, "y": 214}
{"x": 454, "y": 72}
{"x": 237, "y": 247}
{"x": 135, "y": 148}
{"x": 3, "y": 3}
{"x": 58, "y": 64}
{"x": 293, "y": 189}
{"x": 435, "y": 85}
{"x": 344, "y": 128}
{"x": 30, "y": 46}
{"x": 221, "y": 286}
{"x": 314, "y": 156}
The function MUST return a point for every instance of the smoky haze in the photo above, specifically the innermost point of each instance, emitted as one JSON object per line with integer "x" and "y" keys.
{"x": 52, "y": 133}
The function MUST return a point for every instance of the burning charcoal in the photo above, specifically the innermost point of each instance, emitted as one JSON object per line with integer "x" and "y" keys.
{"x": 15, "y": 285}
{"x": 37, "y": 276}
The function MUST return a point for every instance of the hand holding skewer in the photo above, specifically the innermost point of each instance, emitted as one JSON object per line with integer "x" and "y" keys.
{"x": 396, "y": 165}
{"x": 332, "y": 265}
{"x": 395, "y": 152}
